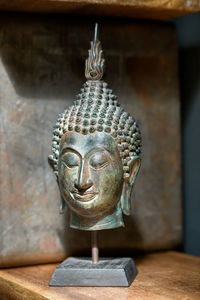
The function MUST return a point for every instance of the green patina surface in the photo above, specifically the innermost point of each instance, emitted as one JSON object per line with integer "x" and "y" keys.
{"x": 96, "y": 152}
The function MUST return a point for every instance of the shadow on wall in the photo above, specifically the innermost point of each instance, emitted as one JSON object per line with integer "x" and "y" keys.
{"x": 190, "y": 96}
{"x": 189, "y": 71}
{"x": 38, "y": 58}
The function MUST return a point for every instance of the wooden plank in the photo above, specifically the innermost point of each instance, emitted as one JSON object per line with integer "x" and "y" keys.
{"x": 41, "y": 71}
{"x": 168, "y": 275}
{"x": 153, "y": 9}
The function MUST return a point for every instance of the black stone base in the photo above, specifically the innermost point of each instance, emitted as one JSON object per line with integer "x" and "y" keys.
{"x": 82, "y": 272}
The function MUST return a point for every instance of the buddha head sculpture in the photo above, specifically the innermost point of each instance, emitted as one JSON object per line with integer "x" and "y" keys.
{"x": 96, "y": 152}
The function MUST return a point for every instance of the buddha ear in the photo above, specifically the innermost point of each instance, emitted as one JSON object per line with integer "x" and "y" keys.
{"x": 51, "y": 161}
{"x": 63, "y": 205}
{"x": 134, "y": 167}
{"x": 52, "y": 165}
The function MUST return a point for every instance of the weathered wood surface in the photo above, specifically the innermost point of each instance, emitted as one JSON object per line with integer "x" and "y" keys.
{"x": 162, "y": 276}
{"x": 152, "y": 9}
{"x": 41, "y": 71}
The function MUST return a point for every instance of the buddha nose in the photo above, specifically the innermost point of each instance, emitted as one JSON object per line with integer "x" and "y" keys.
{"x": 83, "y": 182}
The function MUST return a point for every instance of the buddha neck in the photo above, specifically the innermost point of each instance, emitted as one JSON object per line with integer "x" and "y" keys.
{"x": 114, "y": 220}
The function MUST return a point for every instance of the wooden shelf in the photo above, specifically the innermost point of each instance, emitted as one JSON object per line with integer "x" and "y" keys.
{"x": 166, "y": 275}
{"x": 152, "y": 9}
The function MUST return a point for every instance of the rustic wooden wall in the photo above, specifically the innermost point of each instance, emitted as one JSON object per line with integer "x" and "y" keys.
{"x": 41, "y": 71}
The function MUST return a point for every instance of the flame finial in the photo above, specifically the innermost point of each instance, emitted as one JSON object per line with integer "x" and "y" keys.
{"x": 94, "y": 65}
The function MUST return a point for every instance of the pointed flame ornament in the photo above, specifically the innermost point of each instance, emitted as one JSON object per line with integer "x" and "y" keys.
{"x": 94, "y": 65}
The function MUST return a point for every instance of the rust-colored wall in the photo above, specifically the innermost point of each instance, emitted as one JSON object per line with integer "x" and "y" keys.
{"x": 41, "y": 71}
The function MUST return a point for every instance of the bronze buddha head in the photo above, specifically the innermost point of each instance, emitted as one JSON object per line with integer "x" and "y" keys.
{"x": 96, "y": 153}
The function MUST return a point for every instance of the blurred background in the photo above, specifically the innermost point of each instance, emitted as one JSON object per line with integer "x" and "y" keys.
{"x": 188, "y": 28}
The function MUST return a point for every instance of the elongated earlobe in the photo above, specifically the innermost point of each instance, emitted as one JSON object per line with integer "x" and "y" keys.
{"x": 63, "y": 205}
{"x": 134, "y": 167}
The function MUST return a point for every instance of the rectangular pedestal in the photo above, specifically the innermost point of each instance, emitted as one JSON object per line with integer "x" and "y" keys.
{"x": 82, "y": 272}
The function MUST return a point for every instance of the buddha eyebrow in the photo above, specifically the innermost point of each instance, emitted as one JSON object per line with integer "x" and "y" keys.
{"x": 102, "y": 150}
{"x": 64, "y": 150}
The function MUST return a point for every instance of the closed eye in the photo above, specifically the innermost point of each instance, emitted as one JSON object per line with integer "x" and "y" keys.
{"x": 99, "y": 160}
{"x": 70, "y": 160}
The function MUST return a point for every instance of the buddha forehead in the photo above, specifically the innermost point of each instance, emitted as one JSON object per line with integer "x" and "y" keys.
{"x": 86, "y": 143}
